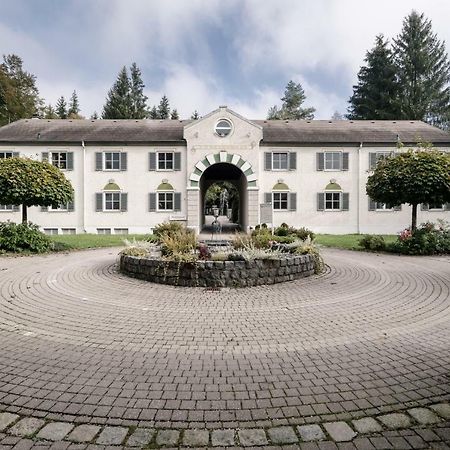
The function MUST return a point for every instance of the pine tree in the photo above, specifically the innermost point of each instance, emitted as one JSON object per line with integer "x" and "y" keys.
{"x": 195, "y": 115}
{"x": 174, "y": 115}
{"x": 118, "y": 101}
{"x": 138, "y": 98}
{"x": 292, "y": 109}
{"x": 375, "y": 97}
{"x": 19, "y": 95}
{"x": 153, "y": 114}
{"x": 49, "y": 112}
{"x": 61, "y": 108}
{"x": 164, "y": 108}
{"x": 73, "y": 106}
{"x": 423, "y": 72}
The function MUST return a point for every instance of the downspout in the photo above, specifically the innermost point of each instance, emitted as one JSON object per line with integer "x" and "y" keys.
{"x": 358, "y": 192}
{"x": 84, "y": 187}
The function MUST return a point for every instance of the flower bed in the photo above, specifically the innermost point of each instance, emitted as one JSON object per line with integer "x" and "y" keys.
{"x": 218, "y": 273}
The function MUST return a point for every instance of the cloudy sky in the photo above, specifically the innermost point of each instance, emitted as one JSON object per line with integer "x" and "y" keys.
{"x": 205, "y": 53}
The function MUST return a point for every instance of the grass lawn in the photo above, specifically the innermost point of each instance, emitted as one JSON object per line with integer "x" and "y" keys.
{"x": 347, "y": 241}
{"x": 80, "y": 241}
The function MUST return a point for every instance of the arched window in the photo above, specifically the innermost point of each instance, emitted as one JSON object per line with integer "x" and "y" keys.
{"x": 282, "y": 198}
{"x": 332, "y": 198}
{"x": 111, "y": 199}
{"x": 165, "y": 199}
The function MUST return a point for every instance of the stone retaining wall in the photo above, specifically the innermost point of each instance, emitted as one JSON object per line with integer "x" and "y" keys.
{"x": 219, "y": 273}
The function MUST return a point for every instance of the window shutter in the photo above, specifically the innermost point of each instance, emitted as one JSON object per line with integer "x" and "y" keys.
{"x": 372, "y": 161}
{"x": 71, "y": 206}
{"x": 344, "y": 165}
{"x": 177, "y": 201}
{"x": 177, "y": 161}
{"x": 320, "y": 161}
{"x": 16, "y": 208}
{"x": 320, "y": 201}
{"x": 345, "y": 201}
{"x": 293, "y": 161}
{"x": 268, "y": 197}
{"x": 152, "y": 161}
{"x": 292, "y": 201}
{"x": 372, "y": 205}
{"x": 69, "y": 164}
{"x": 123, "y": 161}
{"x": 45, "y": 156}
{"x": 99, "y": 201}
{"x": 267, "y": 161}
{"x": 152, "y": 201}
{"x": 16, "y": 154}
{"x": 124, "y": 201}
{"x": 424, "y": 207}
{"x": 44, "y": 208}
{"x": 447, "y": 206}
{"x": 98, "y": 161}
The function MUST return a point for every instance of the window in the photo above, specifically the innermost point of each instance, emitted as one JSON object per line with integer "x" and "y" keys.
{"x": 332, "y": 160}
{"x": 382, "y": 206}
{"x": 61, "y": 207}
{"x": 6, "y": 208}
{"x": 223, "y": 128}
{"x": 165, "y": 161}
{"x": 280, "y": 161}
{"x": 68, "y": 230}
{"x": 165, "y": 201}
{"x": 332, "y": 201}
{"x": 112, "y": 161}
{"x": 120, "y": 230}
{"x": 51, "y": 231}
{"x": 59, "y": 159}
{"x": 112, "y": 201}
{"x": 103, "y": 230}
{"x": 280, "y": 201}
{"x": 4, "y": 155}
{"x": 436, "y": 207}
{"x": 377, "y": 156}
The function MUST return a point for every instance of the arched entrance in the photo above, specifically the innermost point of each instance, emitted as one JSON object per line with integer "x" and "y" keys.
{"x": 221, "y": 173}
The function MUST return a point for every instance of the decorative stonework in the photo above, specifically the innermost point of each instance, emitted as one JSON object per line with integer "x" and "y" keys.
{"x": 218, "y": 273}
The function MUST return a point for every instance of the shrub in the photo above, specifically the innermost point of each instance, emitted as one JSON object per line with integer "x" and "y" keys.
{"x": 308, "y": 247}
{"x": 167, "y": 229}
{"x": 251, "y": 252}
{"x": 203, "y": 252}
{"x": 137, "y": 248}
{"x": 220, "y": 256}
{"x": 303, "y": 233}
{"x": 372, "y": 242}
{"x": 23, "y": 237}
{"x": 281, "y": 231}
{"x": 240, "y": 240}
{"x": 177, "y": 243}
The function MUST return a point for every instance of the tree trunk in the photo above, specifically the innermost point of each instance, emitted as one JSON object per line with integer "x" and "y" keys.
{"x": 414, "y": 218}
{"x": 24, "y": 213}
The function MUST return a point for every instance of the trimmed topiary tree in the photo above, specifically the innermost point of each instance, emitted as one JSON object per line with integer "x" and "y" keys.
{"x": 27, "y": 182}
{"x": 416, "y": 176}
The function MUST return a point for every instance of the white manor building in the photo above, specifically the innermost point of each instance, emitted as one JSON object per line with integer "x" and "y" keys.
{"x": 130, "y": 175}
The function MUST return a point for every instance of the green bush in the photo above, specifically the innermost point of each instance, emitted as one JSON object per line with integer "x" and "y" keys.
{"x": 304, "y": 233}
{"x": 167, "y": 229}
{"x": 281, "y": 231}
{"x": 23, "y": 237}
{"x": 178, "y": 243}
{"x": 372, "y": 242}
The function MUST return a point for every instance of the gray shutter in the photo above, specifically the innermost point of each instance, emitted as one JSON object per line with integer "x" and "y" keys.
{"x": 152, "y": 161}
{"x": 123, "y": 161}
{"x": 71, "y": 206}
{"x": 292, "y": 201}
{"x": 372, "y": 161}
{"x": 320, "y": 201}
{"x": 16, "y": 208}
{"x": 98, "y": 161}
{"x": 44, "y": 208}
{"x": 268, "y": 197}
{"x": 345, "y": 201}
{"x": 177, "y": 201}
{"x": 424, "y": 207}
{"x": 152, "y": 201}
{"x": 344, "y": 165}
{"x": 177, "y": 161}
{"x": 447, "y": 206}
{"x": 397, "y": 207}
{"x": 267, "y": 161}
{"x": 372, "y": 205}
{"x": 16, "y": 154}
{"x": 69, "y": 164}
{"x": 124, "y": 201}
{"x": 320, "y": 161}
{"x": 292, "y": 160}
{"x": 99, "y": 201}
{"x": 45, "y": 156}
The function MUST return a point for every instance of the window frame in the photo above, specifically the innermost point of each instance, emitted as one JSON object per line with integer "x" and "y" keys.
{"x": 385, "y": 207}
{"x": 280, "y": 169}
{"x": 5, "y": 152}
{"x": 49, "y": 231}
{"x": 339, "y": 193}
{"x": 165, "y": 161}
{"x": 112, "y": 161}
{"x": 11, "y": 209}
{"x": 64, "y": 231}
{"x": 325, "y": 154}
{"x": 165, "y": 193}
{"x": 104, "y": 229}
{"x": 113, "y": 201}
{"x": 59, "y": 209}
{"x": 58, "y": 165}
{"x": 280, "y": 201}
{"x": 217, "y": 126}
{"x": 432, "y": 208}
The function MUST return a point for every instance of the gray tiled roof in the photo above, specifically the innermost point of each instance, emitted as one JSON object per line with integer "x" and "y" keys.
{"x": 274, "y": 131}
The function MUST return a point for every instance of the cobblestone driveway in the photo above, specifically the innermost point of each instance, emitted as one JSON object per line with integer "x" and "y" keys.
{"x": 83, "y": 343}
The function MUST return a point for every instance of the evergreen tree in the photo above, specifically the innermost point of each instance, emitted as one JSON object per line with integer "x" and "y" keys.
{"x": 138, "y": 98}
{"x": 118, "y": 101}
{"x": 163, "y": 108}
{"x": 423, "y": 72}
{"x": 49, "y": 112}
{"x": 19, "y": 95}
{"x": 195, "y": 115}
{"x": 153, "y": 114}
{"x": 61, "y": 108}
{"x": 174, "y": 115}
{"x": 74, "y": 106}
{"x": 292, "y": 109}
{"x": 337, "y": 116}
{"x": 376, "y": 94}
{"x": 94, "y": 116}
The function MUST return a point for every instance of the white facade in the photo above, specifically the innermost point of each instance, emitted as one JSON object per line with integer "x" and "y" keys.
{"x": 299, "y": 173}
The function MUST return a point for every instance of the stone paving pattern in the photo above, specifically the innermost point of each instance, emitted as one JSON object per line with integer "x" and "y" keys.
{"x": 83, "y": 344}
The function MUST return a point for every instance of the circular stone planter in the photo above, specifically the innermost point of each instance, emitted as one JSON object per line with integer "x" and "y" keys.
{"x": 219, "y": 273}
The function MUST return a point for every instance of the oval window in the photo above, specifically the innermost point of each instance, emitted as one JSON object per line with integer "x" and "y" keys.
{"x": 223, "y": 128}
